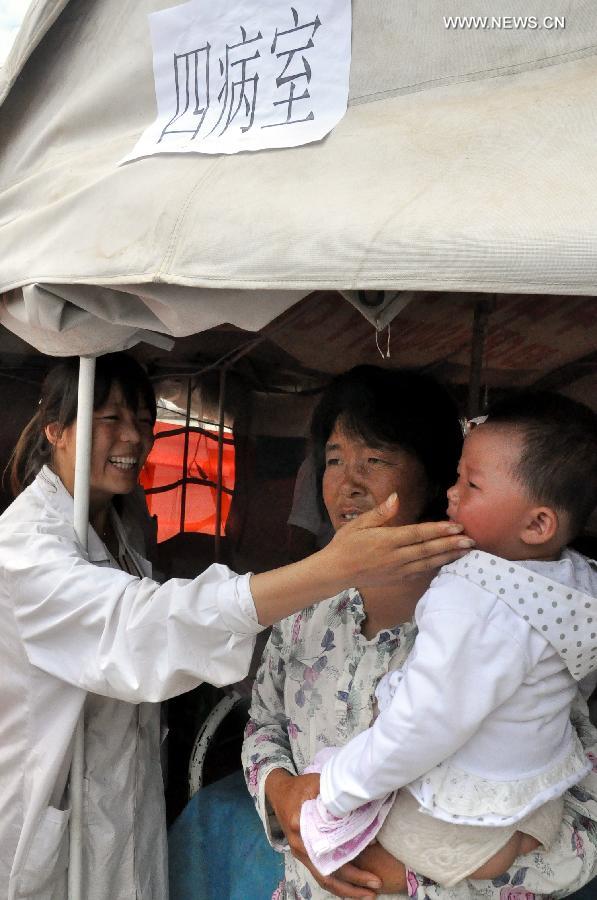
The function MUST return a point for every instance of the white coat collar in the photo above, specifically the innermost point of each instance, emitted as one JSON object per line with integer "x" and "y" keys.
{"x": 61, "y": 501}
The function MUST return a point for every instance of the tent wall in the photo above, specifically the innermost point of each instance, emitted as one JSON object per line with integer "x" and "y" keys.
{"x": 465, "y": 162}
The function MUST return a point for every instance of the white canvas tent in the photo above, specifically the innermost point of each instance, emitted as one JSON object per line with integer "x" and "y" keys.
{"x": 465, "y": 163}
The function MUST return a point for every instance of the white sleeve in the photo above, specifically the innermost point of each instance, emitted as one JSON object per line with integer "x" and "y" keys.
{"x": 125, "y": 637}
{"x": 470, "y": 655}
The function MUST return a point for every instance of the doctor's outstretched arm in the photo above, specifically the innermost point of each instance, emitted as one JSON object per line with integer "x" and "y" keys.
{"x": 362, "y": 554}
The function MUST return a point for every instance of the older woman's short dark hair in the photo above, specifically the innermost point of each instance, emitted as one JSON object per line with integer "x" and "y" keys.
{"x": 394, "y": 408}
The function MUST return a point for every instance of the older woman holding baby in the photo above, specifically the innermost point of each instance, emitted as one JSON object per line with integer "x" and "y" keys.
{"x": 380, "y": 432}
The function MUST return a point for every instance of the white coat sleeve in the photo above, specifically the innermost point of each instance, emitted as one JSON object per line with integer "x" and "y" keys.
{"x": 120, "y": 636}
{"x": 467, "y": 660}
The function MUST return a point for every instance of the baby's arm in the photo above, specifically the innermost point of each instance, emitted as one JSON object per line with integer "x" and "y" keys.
{"x": 467, "y": 660}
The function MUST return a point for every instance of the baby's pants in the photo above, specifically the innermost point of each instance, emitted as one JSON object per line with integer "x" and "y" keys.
{"x": 448, "y": 853}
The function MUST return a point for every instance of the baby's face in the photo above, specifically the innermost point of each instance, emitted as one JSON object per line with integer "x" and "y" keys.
{"x": 487, "y": 500}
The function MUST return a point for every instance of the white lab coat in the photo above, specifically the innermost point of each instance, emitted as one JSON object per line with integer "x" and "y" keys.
{"x": 75, "y": 630}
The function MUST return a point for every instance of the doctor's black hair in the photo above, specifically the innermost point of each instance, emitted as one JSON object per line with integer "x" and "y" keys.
{"x": 558, "y": 462}
{"x": 58, "y": 403}
{"x": 394, "y": 408}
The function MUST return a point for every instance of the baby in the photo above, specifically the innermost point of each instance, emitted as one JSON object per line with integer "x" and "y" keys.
{"x": 476, "y": 726}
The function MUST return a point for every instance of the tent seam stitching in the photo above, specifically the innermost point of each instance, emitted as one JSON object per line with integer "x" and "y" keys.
{"x": 168, "y": 255}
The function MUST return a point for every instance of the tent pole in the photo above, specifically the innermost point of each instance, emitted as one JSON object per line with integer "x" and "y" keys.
{"x": 185, "y": 456}
{"x": 81, "y": 521}
{"x": 221, "y": 411}
{"x": 483, "y": 309}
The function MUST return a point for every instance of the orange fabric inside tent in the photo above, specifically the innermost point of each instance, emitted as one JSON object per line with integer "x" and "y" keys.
{"x": 164, "y": 466}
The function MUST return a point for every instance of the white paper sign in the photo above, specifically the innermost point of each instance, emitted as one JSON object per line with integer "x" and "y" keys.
{"x": 234, "y": 75}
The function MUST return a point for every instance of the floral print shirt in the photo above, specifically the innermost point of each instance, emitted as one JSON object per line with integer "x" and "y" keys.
{"x": 315, "y": 688}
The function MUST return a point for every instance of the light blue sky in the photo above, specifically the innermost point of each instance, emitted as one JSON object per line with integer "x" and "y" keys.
{"x": 11, "y": 14}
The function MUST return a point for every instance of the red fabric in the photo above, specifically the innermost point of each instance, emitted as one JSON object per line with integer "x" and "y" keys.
{"x": 164, "y": 466}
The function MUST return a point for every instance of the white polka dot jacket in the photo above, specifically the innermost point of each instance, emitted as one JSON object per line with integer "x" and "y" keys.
{"x": 478, "y": 727}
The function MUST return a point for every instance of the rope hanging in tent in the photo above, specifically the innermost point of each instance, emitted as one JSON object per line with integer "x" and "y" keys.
{"x": 387, "y": 354}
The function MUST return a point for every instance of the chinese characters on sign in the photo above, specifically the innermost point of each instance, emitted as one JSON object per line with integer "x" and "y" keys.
{"x": 247, "y": 75}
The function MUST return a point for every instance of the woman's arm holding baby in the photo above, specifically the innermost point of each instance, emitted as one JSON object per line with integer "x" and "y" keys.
{"x": 390, "y": 871}
{"x": 286, "y": 794}
{"x": 270, "y": 770}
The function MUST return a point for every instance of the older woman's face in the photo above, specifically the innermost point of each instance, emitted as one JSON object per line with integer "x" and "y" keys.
{"x": 358, "y": 477}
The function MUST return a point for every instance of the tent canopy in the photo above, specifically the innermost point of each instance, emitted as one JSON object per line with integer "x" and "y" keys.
{"x": 528, "y": 341}
{"x": 465, "y": 163}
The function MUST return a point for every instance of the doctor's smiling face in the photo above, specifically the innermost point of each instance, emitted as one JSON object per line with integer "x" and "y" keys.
{"x": 122, "y": 439}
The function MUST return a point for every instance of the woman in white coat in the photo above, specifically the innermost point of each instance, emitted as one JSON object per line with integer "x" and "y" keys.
{"x": 90, "y": 630}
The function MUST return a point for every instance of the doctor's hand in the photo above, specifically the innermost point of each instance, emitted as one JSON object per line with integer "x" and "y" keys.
{"x": 286, "y": 794}
{"x": 364, "y": 553}
{"x": 377, "y": 553}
